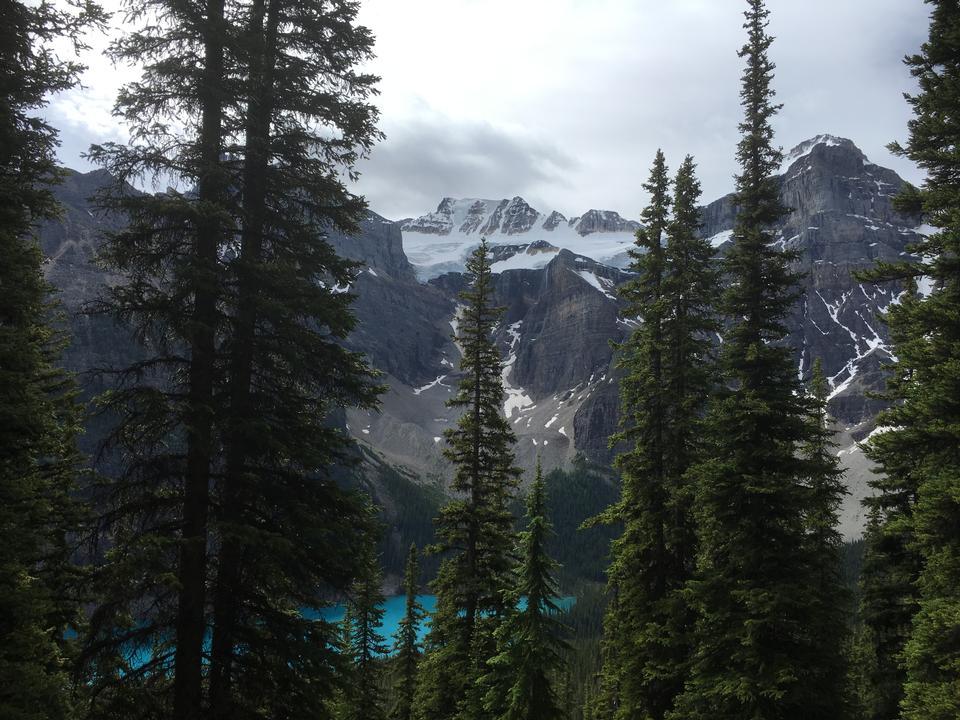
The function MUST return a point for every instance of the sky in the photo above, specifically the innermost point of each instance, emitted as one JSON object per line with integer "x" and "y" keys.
{"x": 565, "y": 102}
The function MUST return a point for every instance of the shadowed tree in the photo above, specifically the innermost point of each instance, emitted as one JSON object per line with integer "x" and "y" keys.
{"x": 474, "y": 530}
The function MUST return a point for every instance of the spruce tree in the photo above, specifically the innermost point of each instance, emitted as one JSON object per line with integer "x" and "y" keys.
{"x": 407, "y": 644}
{"x": 307, "y": 119}
{"x": 691, "y": 294}
{"x": 475, "y": 530}
{"x": 157, "y": 506}
{"x": 754, "y": 654}
{"x": 830, "y": 607}
{"x": 39, "y": 418}
{"x": 668, "y": 361}
{"x": 640, "y": 562}
{"x": 225, "y": 513}
{"x": 529, "y": 659}
{"x": 917, "y": 512}
{"x": 891, "y": 565}
{"x": 366, "y": 647}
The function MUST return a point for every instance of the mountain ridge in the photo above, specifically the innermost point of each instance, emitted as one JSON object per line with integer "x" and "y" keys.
{"x": 562, "y": 312}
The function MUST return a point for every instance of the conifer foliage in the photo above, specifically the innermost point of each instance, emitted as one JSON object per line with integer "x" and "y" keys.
{"x": 38, "y": 416}
{"x": 407, "y": 645}
{"x": 639, "y": 565}
{"x": 474, "y": 530}
{"x": 530, "y": 647}
{"x": 365, "y": 647}
{"x": 668, "y": 368}
{"x": 830, "y": 603}
{"x": 916, "y": 529}
{"x": 224, "y": 514}
{"x": 755, "y": 650}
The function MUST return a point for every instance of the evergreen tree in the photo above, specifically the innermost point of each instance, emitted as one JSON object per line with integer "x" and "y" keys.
{"x": 307, "y": 119}
{"x": 226, "y": 500}
{"x": 407, "y": 645}
{"x": 640, "y": 561}
{"x": 755, "y": 656}
{"x": 157, "y": 506}
{"x": 914, "y": 538}
{"x": 830, "y": 600}
{"x": 39, "y": 418}
{"x": 530, "y": 648}
{"x": 366, "y": 647}
{"x": 691, "y": 293}
{"x": 891, "y": 565}
{"x": 669, "y": 374}
{"x": 475, "y": 530}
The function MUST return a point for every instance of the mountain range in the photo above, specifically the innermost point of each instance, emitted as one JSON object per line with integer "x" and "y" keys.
{"x": 556, "y": 277}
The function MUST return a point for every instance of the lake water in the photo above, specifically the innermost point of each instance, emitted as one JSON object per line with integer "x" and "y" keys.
{"x": 394, "y": 607}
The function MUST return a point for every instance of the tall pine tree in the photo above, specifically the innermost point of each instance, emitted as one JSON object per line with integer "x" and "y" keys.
{"x": 754, "y": 650}
{"x": 366, "y": 647}
{"x": 915, "y": 521}
{"x": 226, "y": 516}
{"x": 475, "y": 530}
{"x": 38, "y": 415}
{"x": 830, "y": 602}
{"x": 408, "y": 645}
{"x": 669, "y": 374}
{"x": 157, "y": 506}
{"x": 529, "y": 660}
{"x": 287, "y": 531}
{"x": 640, "y": 565}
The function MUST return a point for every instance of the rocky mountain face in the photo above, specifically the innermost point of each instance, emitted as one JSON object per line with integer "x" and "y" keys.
{"x": 509, "y": 217}
{"x": 557, "y": 278}
{"x": 841, "y": 221}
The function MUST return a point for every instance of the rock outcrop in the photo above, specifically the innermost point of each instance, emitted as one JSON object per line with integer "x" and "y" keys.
{"x": 557, "y": 280}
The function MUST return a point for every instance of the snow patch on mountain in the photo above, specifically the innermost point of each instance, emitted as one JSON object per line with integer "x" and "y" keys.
{"x": 601, "y": 284}
{"x": 720, "y": 238}
{"x": 517, "y": 398}
{"x": 807, "y": 146}
{"x": 441, "y": 241}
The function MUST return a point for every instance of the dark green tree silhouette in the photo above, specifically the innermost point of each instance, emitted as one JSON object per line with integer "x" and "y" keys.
{"x": 407, "y": 646}
{"x": 525, "y": 672}
{"x": 39, "y": 419}
{"x": 474, "y": 530}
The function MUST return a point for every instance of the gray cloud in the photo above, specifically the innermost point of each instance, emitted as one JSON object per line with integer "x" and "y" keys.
{"x": 426, "y": 159}
{"x": 566, "y": 101}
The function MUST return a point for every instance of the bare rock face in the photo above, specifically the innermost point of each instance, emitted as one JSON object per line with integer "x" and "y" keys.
{"x": 568, "y": 323}
{"x": 475, "y": 215}
{"x": 435, "y": 223}
{"x": 559, "y": 369}
{"x": 602, "y": 221}
{"x": 518, "y": 217}
{"x": 553, "y": 221}
{"x": 378, "y": 245}
{"x": 842, "y": 221}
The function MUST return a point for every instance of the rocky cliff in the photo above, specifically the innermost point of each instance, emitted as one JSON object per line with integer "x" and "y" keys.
{"x": 557, "y": 280}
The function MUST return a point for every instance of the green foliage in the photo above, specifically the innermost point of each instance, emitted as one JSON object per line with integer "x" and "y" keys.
{"x": 365, "y": 647}
{"x": 639, "y": 566}
{"x": 407, "y": 646}
{"x": 757, "y": 647}
{"x": 578, "y": 493}
{"x": 475, "y": 529}
{"x": 668, "y": 374}
{"x": 39, "y": 419}
{"x": 829, "y": 600}
{"x": 530, "y": 649}
{"x": 224, "y": 519}
{"x": 912, "y": 563}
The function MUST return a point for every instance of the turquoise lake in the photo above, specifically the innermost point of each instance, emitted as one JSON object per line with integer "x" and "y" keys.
{"x": 393, "y": 609}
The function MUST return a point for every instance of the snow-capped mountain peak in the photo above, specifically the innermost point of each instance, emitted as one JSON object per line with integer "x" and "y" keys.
{"x": 440, "y": 241}
{"x": 808, "y": 146}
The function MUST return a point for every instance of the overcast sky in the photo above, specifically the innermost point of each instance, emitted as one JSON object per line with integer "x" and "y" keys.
{"x": 565, "y": 102}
